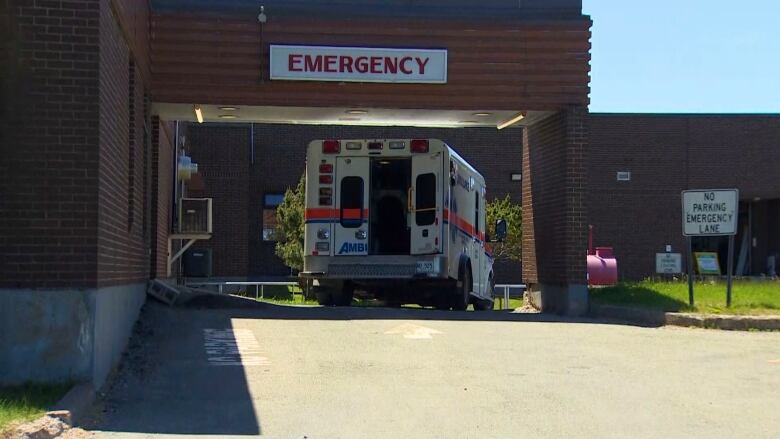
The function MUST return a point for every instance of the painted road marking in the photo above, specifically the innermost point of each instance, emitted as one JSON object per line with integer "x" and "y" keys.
{"x": 414, "y": 332}
{"x": 233, "y": 347}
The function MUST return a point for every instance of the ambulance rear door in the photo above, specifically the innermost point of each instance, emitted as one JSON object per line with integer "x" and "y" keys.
{"x": 351, "y": 210}
{"x": 426, "y": 204}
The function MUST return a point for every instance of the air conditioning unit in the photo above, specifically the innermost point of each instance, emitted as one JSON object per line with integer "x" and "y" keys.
{"x": 195, "y": 216}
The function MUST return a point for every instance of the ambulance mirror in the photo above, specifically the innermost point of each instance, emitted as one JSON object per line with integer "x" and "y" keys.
{"x": 501, "y": 229}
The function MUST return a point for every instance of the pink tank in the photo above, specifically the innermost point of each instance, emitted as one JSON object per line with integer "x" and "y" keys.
{"x": 602, "y": 267}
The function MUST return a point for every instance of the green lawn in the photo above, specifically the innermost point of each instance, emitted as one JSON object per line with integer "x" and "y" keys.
{"x": 748, "y": 297}
{"x": 20, "y": 404}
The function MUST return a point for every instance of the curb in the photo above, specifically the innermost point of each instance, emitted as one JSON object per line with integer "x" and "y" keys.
{"x": 74, "y": 405}
{"x": 708, "y": 321}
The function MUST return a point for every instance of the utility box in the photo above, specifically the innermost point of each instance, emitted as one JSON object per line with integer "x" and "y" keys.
{"x": 197, "y": 263}
{"x": 195, "y": 216}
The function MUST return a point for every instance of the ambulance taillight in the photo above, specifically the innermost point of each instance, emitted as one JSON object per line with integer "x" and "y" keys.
{"x": 331, "y": 147}
{"x": 419, "y": 146}
{"x": 326, "y": 168}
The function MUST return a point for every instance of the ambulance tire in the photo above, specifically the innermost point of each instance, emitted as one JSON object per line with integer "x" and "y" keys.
{"x": 462, "y": 296}
{"x": 486, "y": 304}
{"x": 344, "y": 296}
{"x": 324, "y": 296}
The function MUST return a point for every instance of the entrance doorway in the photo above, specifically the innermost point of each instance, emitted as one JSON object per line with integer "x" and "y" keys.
{"x": 390, "y": 232}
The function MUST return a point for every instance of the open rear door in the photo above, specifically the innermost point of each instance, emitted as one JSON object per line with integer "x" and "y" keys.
{"x": 352, "y": 188}
{"x": 426, "y": 204}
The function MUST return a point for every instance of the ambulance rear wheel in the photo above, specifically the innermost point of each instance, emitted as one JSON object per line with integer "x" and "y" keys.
{"x": 324, "y": 296}
{"x": 461, "y": 299}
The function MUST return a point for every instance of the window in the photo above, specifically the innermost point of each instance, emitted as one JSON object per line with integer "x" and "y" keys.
{"x": 425, "y": 199}
{"x": 270, "y": 203}
{"x": 351, "y": 202}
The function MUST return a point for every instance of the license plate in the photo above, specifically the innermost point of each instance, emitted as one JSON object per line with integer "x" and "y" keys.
{"x": 425, "y": 267}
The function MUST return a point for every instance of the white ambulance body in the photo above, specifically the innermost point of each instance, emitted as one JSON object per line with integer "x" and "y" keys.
{"x": 402, "y": 220}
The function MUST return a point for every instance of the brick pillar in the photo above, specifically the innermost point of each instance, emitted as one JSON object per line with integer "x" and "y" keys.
{"x": 554, "y": 211}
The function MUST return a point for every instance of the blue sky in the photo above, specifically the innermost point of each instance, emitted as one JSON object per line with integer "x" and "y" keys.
{"x": 711, "y": 56}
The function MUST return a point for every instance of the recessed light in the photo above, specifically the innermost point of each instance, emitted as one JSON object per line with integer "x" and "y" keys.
{"x": 483, "y": 114}
{"x": 357, "y": 112}
{"x": 228, "y": 116}
{"x": 228, "y": 108}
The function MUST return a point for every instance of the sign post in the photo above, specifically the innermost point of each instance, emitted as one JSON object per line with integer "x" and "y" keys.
{"x": 730, "y": 269}
{"x": 690, "y": 272}
{"x": 712, "y": 212}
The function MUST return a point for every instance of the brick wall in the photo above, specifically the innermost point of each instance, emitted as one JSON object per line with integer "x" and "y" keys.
{"x": 123, "y": 215}
{"x": 223, "y": 157}
{"x": 279, "y": 155}
{"x": 554, "y": 190}
{"x": 48, "y": 149}
{"x": 163, "y": 141}
{"x": 667, "y": 154}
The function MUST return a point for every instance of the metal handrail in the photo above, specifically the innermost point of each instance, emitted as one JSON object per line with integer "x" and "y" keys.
{"x": 506, "y": 287}
{"x": 259, "y": 286}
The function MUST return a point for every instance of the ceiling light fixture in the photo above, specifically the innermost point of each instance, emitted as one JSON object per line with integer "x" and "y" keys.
{"x": 512, "y": 121}
{"x": 228, "y": 108}
{"x": 198, "y": 113}
{"x": 228, "y": 116}
{"x": 483, "y": 114}
{"x": 357, "y": 112}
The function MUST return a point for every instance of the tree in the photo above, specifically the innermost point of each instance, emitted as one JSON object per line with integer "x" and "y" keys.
{"x": 290, "y": 226}
{"x": 511, "y": 248}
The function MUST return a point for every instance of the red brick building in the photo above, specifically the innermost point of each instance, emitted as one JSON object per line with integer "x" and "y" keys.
{"x": 92, "y": 91}
{"x": 665, "y": 154}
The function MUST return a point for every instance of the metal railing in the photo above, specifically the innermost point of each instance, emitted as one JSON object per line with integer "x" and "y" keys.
{"x": 259, "y": 286}
{"x": 504, "y": 300}
{"x": 509, "y": 290}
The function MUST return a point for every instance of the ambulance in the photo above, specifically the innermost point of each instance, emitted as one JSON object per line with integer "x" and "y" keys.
{"x": 398, "y": 220}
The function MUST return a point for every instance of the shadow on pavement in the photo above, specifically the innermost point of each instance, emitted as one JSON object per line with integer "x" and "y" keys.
{"x": 248, "y": 308}
{"x": 184, "y": 373}
{"x": 180, "y": 377}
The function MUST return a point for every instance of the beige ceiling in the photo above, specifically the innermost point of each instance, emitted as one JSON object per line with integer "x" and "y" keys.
{"x": 341, "y": 116}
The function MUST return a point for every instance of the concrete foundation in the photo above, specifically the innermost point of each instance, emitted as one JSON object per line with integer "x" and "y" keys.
{"x": 65, "y": 335}
{"x": 570, "y": 300}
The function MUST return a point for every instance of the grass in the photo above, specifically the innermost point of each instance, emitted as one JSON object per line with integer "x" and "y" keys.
{"x": 748, "y": 297}
{"x": 20, "y": 404}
